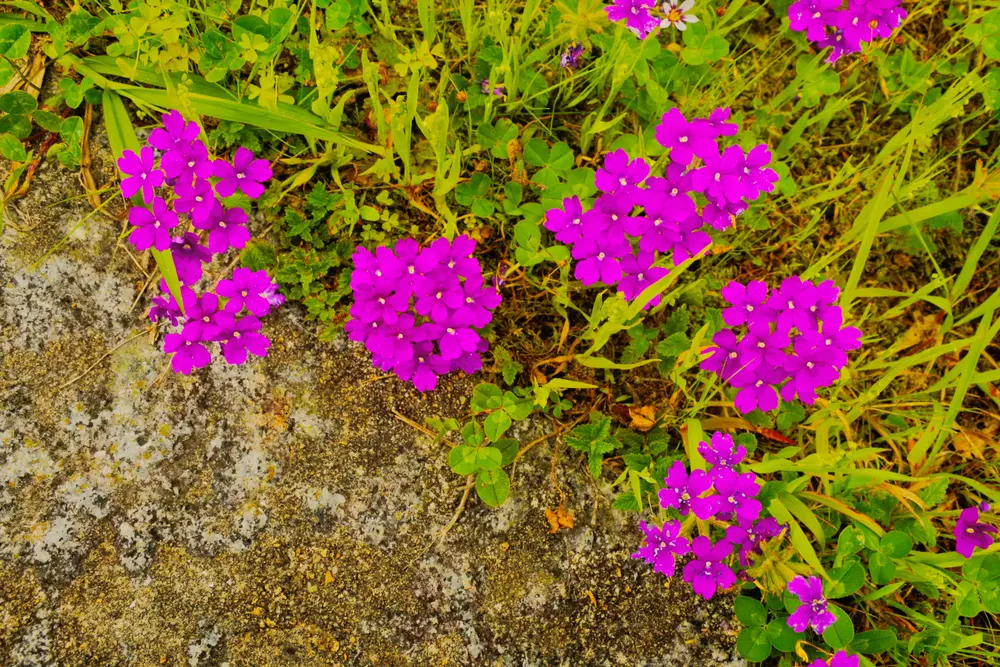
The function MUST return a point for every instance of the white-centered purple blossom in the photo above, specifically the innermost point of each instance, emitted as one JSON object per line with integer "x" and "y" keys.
{"x": 814, "y": 610}
{"x": 829, "y": 23}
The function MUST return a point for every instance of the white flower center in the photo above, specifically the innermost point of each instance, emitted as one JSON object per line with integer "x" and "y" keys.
{"x": 600, "y": 255}
{"x": 576, "y": 221}
{"x": 240, "y": 176}
{"x": 682, "y": 140}
{"x": 761, "y": 345}
{"x": 378, "y": 273}
{"x": 450, "y": 330}
{"x": 622, "y": 181}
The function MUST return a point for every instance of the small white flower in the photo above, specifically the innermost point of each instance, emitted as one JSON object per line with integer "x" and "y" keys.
{"x": 677, "y": 14}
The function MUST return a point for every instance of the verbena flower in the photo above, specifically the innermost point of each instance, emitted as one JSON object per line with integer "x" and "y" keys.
{"x": 226, "y": 228}
{"x": 676, "y": 14}
{"x": 736, "y": 495}
{"x": 247, "y": 289}
{"x": 794, "y": 342}
{"x": 189, "y": 351}
{"x": 815, "y": 610}
{"x": 189, "y": 254}
{"x": 175, "y": 133}
{"x": 722, "y": 452}
{"x": 418, "y": 310}
{"x": 706, "y": 572}
{"x": 187, "y": 161}
{"x": 202, "y": 317}
{"x": 619, "y": 174}
{"x": 971, "y": 533}
{"x": 196, "y": 199}
{"x": 143, "y": 175}
{"x": 662, "y": 546}
{"x": 636, "y": 15}
{"x": 152, "y": 227}
{"x": 242, "y": 336}
{"x": 839, "y": 659}
{"x": 166, "y": 307}
{"x": 246, "y": 174}
{"x": 683, "y": 492}
{"x": 748, "y": 534}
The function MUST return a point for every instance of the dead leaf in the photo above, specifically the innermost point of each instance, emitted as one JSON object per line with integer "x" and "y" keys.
{"x": 970, "y": 444}
{"x": 643, "y": 418}
{"x": 559, "y": 519}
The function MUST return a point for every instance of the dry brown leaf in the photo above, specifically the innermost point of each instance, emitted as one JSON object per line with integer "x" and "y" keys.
{"x": 558, "y": 519}
{"x": 970, "y": 443}
{"x": 643, "y": 418}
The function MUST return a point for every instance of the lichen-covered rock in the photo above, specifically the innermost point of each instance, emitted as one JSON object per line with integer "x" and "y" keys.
{"x": 276, "y": 513}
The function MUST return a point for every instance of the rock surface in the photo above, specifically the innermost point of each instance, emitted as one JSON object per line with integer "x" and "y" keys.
{"x": 276, "y": 513}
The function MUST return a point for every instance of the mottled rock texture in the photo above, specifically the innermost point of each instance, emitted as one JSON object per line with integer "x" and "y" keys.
{"x": 276, "y": 513}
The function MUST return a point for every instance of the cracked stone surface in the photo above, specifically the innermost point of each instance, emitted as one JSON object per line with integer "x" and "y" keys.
{"x": 276, "y": 513}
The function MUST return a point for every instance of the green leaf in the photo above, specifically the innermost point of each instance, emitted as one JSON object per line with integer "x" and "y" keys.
{"x": 258, "y": 255}
{"x": 489, "y": 458}
{"x": 882, "y": 568}
{"x": 674, "y": 344}
{"x": 850, "y": 541}
{"x": 626, "y": 502}
{"x": 700, "y": 47}
{"x": 753, "y": 644}
{"x": 493, "y": 486}
{"x": 17, "y": 102}
{"x": 750, "y": 611}
{"x": 71, "y": 130}
{"x": 338, "y": 14}
{"x": 873, "y": 641}
{"x": 561, "y": 156}
{"x": 19, "y": 126}
{"x": 485, "y": 397}
{"x": 47, "y": 120}
{"x": 781, "y": 636}
{"x": 508, "y": 448}
{"x": 472, "y": 433}
{"x": 11, "y": 148}
{"x": 536, "y": 152}
{"x": 496, "y": 425}
{"x": 841, "y": 632}
{"x": 517, "y": 408}
{"x": 463, "y": 460}
{"x": 14, "y": 41}
{"x": 845, "y": 580}
{"x": 896, "y": 544}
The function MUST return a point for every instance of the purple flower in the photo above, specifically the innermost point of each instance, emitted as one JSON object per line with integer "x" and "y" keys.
{"x": 393, "y": 343}
{"x": 736, "y": 495}
{"x": 473, "y": 303}
{"x": 188, "y": 350}
{"x": 840, "y": 659}
{"x": 749, "y": 534}
{"x": 636, "y": 15}
{"x": 662, "y": 546}
{"x": 724, "y": 359}
{"x": 619, "y": 174}
{"x": 721, "y": 179}
{"x": 809, "y": 369}
{"x": 175, "y": 132}
{"x": 458, "y": 338}
{"x": 227, "y": 229}
{"x": 757, "y": 176}
{"x": 454, "y": 257}
{"x": 638, "y": 273}
{"x": 565, "y": 223}
{"x": 189, "y": 255}
{"x": 682, "y": 491}
{"x": 247, "y": 289}
{"x": 423, "y": 367}
{"x": 242, "y": 336}
{"x": 186, "y": 162}
{"x": 971, "y": 533}
{"x": 836, "y": 340}
{"x": 685, "y": 140}
{"x": 202, "y": 316}
{"x": 166, "y": 307}
{"x": 689, "y": 239}
{"x": 570, "y": 58}
{"x": 814, "y": 610}
{"x": 706, "y": 572}
{"x": 723, "y": 452}
{"x": 379, "y": 306}
{"x": 756, "y": 390}
{"x": 142, "y": 174}
{"x": 812, "y": 16}
{"x": 717, "y": 122}
{"x": 599, "y": 261}
{"x": 245, "y": 173}
{"x": 152, "y": 228}
{"x": 748, "y": 303}
{"x": 196, "y": 200}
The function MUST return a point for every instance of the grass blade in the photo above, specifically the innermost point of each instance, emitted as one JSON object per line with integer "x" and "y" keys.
{"x": 121, "y": 136}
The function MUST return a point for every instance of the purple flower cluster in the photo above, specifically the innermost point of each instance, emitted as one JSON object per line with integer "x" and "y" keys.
{"x": 795, "y": 340}
{"x": 971, "y": 533}
{"x": 642, "y": 17}
{"x": 188, "y": 182}
{"x": 638, "y": 218}
{"x": 418, "y": 310}
{"x": 845, "y": 29}
{"x": 723, "y": 494}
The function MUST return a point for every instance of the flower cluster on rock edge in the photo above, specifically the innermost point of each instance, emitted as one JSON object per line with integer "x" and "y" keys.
{"x": 183, "y": 189}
